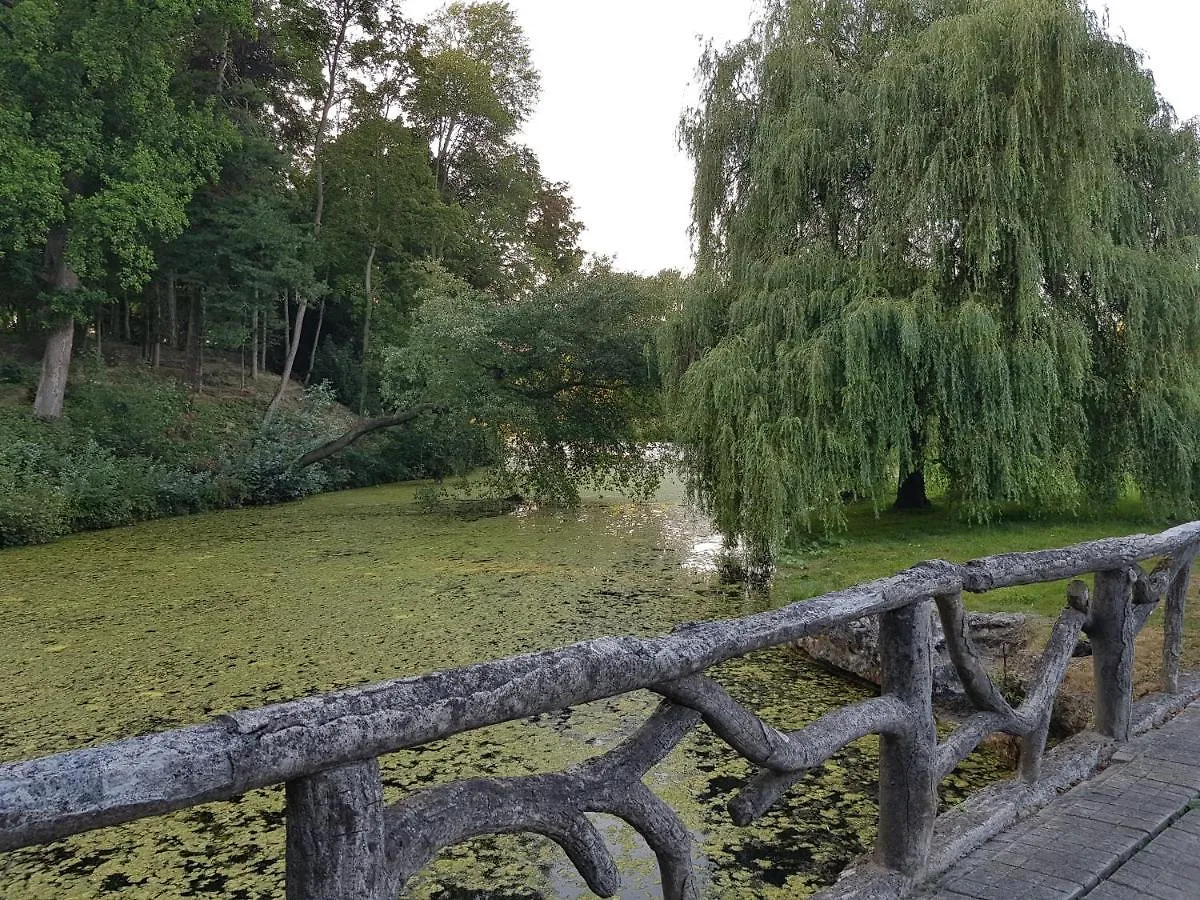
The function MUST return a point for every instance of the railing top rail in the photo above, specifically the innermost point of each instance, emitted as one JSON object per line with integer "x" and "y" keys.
{"x": 49, "y": 798}
{"x": 1037, "y": 566}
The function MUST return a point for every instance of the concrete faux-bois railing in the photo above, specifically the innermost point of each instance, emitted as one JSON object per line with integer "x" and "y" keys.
{"x": 344, "y": 842}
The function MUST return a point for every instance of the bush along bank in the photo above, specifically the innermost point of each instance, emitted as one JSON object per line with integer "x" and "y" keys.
{"x": 133, "y": 447}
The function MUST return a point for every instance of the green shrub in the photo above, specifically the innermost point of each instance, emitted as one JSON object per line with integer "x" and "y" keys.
{"x": 14, "y": 372}
{"x": 32, "y": 508}
{"x": 131, "y": 415}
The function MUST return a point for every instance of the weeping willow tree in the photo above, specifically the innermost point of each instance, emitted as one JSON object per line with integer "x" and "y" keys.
{"x": 945, "y": 237}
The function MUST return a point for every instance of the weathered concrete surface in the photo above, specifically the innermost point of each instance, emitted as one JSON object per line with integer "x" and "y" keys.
{"x": 1168, "y": 867}
{"x": 1001, "y": 638}
{"x": 1003, "y": 806}
{"x": 1128, "y": 833}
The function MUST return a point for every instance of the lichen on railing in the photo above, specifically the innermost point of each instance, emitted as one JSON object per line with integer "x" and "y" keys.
{"x": 343, "y": 841}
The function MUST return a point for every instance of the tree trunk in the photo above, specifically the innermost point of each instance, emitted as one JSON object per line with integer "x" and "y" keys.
{"x": 192, "y": 371}
{"x": 264, "y": 334}
{"x": 366, "y": 340}
{"x": 254, "y": 345}
{"x": 99, "y": 332}
{"x": 172, "y": 312}
{"x": 156, "y": 334}
{"x": 128, "y": 320}
{"x": 911, "y": 493}
{"x": 312, "y": 356}
{"x": 56, "y": 359}
{"x": 56, "y": 365}
{"x": 289, "y": 362}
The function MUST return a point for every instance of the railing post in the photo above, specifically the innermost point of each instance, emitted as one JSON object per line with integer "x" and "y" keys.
{"x": 907, "y": 778}
{"x": 335, "y": 836}
{"x": 1111, "y": 632}
{"x": 1173, "y": 629}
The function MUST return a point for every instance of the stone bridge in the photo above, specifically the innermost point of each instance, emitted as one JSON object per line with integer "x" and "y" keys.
{"x": 1127, "y": 830}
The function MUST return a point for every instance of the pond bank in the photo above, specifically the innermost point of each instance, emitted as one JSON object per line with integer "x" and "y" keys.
{"x": 133, "y": 630}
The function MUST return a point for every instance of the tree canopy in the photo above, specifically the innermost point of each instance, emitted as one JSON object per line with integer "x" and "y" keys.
{"x": 330, "y": 191}
{"x": 955, "y": 238}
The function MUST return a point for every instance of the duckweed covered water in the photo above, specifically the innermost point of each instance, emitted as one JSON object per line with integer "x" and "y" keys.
{"x": 125, "y": 632}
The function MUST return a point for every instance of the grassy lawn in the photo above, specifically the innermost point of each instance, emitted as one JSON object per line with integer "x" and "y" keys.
{"x": 874, "y": 546}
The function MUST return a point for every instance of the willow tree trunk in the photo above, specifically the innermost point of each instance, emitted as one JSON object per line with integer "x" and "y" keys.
{"x": 56, "y": 358}
{"x": 911, "y": 492}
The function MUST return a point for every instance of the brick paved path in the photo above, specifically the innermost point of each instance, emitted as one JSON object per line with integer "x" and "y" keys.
{"x": 1131, "y": 833}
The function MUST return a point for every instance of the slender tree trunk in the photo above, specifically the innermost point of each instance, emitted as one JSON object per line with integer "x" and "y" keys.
{"x": 194, "y": 374}
{"x": 128, "y": 320}
{"x": 335, "y": 62}
{"x": 289, "y": 362}
{"x": 254, "y": 345}
{"x": 264, "y": 334}
{"x": 287, "y": 315}
{"x": 172, "y": 312}
{"x": 203, "y": 331}
{"x": 312, "y": 356}
{"x": 99, "y": 334}
{"x": 366, "y": 340}
{"x": 156, "y": 348}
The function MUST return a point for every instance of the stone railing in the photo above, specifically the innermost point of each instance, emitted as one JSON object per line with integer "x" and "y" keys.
{"x": 344, "y": 842}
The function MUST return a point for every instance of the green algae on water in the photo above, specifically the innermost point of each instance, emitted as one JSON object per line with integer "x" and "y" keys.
{"x": 125, "y": 632}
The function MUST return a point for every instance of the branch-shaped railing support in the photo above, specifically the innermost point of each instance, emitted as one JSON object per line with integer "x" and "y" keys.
{"x": 1030, "y": 721}
{"x": 556, "y": 806}
{"x": 1173, "y": 624}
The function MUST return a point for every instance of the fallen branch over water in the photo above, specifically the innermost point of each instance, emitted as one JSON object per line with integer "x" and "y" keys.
{"x": 359, "y": 431}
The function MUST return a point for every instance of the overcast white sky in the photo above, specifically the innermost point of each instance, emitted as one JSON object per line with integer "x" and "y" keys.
{"x": 616, "y": 74}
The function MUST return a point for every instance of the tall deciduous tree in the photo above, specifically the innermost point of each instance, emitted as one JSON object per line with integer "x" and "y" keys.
{"x": 958, "y": 235}
{"x": 564, "y": 383}
{"x": 102, "y": 149}
{"x": 348, "y": 37}
{"x": 384, "y": 206}
{"x": 476, "y": 84}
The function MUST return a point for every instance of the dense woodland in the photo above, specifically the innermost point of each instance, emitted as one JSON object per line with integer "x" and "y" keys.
{"x": 920, "y": 271}
{"x": 321, "y": 190}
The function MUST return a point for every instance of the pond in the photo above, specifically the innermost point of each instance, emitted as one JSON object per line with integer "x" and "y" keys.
{"x": 124, "y": 632}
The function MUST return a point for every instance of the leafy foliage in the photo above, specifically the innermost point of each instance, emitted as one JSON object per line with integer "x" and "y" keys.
{"x": 564, "y": 384}
{"x": 959, "y": 236}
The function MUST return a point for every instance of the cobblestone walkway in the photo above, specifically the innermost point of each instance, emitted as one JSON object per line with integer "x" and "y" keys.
{"x": 1131, "y": 833}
